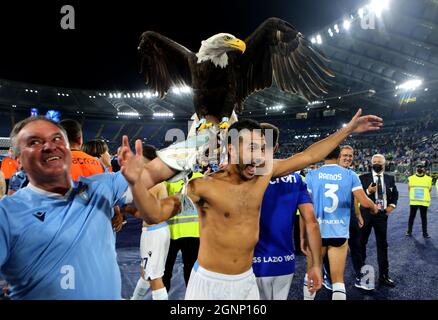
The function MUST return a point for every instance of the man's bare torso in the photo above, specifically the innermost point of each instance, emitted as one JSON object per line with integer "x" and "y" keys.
{"x": 229, "y": 212}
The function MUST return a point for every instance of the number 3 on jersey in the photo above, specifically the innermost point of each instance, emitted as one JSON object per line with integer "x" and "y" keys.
{"x": 331, "y": 193}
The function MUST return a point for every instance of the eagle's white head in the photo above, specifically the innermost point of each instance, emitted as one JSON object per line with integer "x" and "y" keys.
{"x": 215, "y": 49}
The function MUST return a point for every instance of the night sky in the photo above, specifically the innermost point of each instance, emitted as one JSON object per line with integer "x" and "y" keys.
{"x": 101, "y": 53}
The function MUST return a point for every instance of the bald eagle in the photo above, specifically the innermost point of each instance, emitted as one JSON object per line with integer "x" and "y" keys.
{"x": 226, "y": 70}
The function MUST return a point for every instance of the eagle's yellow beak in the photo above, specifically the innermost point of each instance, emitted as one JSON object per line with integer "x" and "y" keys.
{"x": 236, "y": 44}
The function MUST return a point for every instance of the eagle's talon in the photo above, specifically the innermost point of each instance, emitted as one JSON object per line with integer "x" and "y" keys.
{"x": 204, "y": 126}
{"x": 224, "y": 125}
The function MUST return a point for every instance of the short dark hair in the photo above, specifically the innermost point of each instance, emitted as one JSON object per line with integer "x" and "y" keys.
{"x": 149, "y": 152}
{"x": 248, "y": 124}
{"x": 20, "y": 125}
{"x": 95, "y": 147}
{"x": 73, "y": 129}
{"x": 275, "y": 129}
{"x": 334, "y": 154}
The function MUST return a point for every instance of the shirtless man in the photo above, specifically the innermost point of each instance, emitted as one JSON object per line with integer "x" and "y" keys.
{"x": 229, "y": 207}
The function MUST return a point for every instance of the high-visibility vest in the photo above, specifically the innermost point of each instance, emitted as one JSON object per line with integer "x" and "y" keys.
{"x": 9, "y": 167}
{"x": 184, "y": 224}
{"x": 419, "y": 190}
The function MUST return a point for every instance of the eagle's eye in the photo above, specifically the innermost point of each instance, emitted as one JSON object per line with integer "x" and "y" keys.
{"x": 227, "y": 38}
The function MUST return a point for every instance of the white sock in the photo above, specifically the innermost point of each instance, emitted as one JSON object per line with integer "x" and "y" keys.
{"x": 140, "y": 289}
{"x": 160, "y": 294}
{"x": 339, "y": 291}
{"x": 306, "y": 293}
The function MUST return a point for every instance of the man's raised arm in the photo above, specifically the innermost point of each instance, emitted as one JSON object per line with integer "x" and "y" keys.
{"x": 153, "y": 172}
{"x": 150, "y": 209}
{"x": 319, "y": 150}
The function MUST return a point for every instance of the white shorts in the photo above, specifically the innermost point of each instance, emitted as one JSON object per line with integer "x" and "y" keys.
{"x": 208, "y": 285}
{"x": 154, "y": 246}
{"x": 274, "y": 288}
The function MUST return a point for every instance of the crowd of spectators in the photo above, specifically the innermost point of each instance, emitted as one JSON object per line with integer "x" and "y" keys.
{"x": 404, "y": 143}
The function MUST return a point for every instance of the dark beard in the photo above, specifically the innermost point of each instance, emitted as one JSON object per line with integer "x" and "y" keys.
{"x": 240, "y": 169}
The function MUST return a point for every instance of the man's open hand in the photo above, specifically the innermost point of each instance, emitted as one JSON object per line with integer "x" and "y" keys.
{"x": 131, "y": 165}
{"x": 360, "y": 123}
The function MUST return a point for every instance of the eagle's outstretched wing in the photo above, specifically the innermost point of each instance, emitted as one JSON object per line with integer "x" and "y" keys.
{"x": 277, "y": 52}
{"x": 164, "y": 63}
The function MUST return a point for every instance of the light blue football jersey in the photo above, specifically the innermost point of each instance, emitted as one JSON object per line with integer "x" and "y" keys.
{"x": 331, "y": 187}
{"x": 62, "y": 247}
